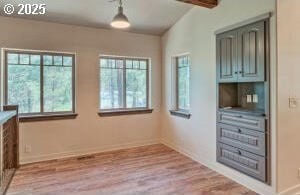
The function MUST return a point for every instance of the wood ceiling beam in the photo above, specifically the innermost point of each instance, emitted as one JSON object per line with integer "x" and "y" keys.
{"x": 203, "y": 3}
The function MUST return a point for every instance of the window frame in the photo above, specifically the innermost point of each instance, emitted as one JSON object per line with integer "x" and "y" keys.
{"x": 37, "y": 116}
{"x": 184, "y": 113}
{"x": 124, "y": 110}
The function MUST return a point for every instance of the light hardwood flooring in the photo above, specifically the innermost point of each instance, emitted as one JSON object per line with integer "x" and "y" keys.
{"x": 155, "y": 169}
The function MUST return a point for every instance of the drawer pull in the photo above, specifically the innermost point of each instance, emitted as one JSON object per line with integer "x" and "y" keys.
{"x": 239, "y": 130}
{"x": 239, "y": 152}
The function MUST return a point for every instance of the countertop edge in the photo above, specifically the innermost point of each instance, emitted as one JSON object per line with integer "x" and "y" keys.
{"x": 6, "y": 115}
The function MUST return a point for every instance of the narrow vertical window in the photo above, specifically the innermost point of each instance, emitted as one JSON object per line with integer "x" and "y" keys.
{"x": 182, "y": 87}
{"x": 183, "y": 83}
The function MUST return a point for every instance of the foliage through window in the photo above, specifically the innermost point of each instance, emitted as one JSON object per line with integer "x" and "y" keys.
{"x": 123, "y": 83}
{"x": 40, "y": 83}
{"x": 183, "y": 83}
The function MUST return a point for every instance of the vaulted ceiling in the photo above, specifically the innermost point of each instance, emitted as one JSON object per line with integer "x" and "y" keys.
{"x": 146, "y": 16}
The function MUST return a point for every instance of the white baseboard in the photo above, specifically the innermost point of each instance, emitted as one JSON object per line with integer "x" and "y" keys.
{"x": 53, "y": 156}
{"x": 246, "y": 181}
{"x": 295, "y": 190}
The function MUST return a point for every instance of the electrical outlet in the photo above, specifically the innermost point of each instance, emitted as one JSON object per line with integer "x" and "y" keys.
{"x": 255, "y": 98}
{"x": 249, "y": 98}
{"x": 27, "y": 149}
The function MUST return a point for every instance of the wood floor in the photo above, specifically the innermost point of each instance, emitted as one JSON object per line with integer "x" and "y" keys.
{"x": 154, "y": 169}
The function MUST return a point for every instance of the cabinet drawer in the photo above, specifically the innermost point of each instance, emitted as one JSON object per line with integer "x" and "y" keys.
{"x": 243, "y": 161}
{"x": 249, "y": 140}
{"x": 250, "y": 122}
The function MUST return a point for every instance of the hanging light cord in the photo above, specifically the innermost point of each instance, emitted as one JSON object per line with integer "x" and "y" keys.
{"x": 120, "y": 2}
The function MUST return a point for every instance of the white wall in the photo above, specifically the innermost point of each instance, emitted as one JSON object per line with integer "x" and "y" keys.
{"x": 194, "y": 33}
{"x": 88, "y": 132}
{"x": 288, "y": 85}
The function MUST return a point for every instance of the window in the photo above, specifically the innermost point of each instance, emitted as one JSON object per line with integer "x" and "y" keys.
{"x": 183, "y": 83}
{"x": 124, "y": 83}
{"x": 40, "y": 83}
{"x": 182, "y": 107}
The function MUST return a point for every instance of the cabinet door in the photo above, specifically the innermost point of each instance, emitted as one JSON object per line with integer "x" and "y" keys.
{"x": 251, "y": 53}
{"x": 227, "y": 57}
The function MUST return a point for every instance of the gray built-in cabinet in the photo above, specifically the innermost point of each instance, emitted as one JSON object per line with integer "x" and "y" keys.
{"x": 241, "y": 54}
{"x": 243, "y": 130}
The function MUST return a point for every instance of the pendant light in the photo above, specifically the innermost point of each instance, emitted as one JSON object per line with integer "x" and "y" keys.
{"x": 120, "y": 20}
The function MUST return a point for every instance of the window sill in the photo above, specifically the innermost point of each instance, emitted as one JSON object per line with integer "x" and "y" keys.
{"x": 110, "y": 113}
{"x": 35, "y": 118}
{"x": 181, "y": 114}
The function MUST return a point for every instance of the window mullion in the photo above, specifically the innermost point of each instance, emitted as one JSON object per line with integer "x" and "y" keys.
{"x": 6, "y": 78}
{"x": 42, "y": 83}
{"x": 147, "y": 85}
{"x": 124, "y": 84}
{"x": 73, "y": 84}
{"x": 177, "y": 84}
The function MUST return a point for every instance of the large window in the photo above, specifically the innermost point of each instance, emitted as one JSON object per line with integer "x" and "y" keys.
{"x": 40, "y": 83}
{"x": 124, "y": 83}
{"x": 183, "y": 83}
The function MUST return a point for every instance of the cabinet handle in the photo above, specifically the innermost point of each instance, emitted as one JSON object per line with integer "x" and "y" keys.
{"x": 235, "y": 72}
{"x": 239, "y": 130}
{"x": 239, "y": 152}
{"x": 241, "y": 72}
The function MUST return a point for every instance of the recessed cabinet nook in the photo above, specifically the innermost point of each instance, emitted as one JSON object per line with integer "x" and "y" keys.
{"x": 243, "y": 134}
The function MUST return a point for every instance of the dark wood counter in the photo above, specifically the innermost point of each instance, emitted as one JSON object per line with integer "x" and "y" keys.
{"x": 9, "y": 145}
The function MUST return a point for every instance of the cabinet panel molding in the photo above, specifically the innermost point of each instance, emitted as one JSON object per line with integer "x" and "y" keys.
{"x": 251, "y": 53}
{"x": 227, "y": 57}
{"x": 246, "y": 162}
{"x": 250, "y": 122}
